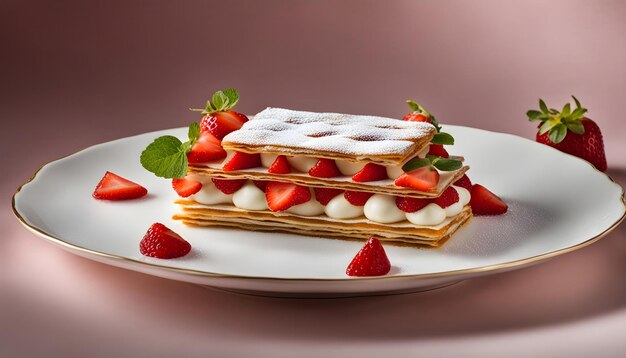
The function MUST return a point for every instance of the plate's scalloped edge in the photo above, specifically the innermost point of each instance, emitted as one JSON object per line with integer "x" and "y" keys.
{"x": 498, "y": 267}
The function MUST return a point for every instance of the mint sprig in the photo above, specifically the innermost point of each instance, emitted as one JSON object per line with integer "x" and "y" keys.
{"x": 166, "y": 156}
{"x": 443, "y": 164}
{"x": 556, "y": 123}
{"x": 220, "y": 101}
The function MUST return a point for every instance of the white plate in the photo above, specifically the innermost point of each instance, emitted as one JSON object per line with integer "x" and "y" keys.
{"x": 557, "y": 202}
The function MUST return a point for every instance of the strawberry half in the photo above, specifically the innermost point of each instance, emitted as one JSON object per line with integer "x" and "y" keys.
{"x": 371, "y": 260}
{"x": 370, "y": 172}
{"x": 228, "y": 186}
{"x": 447, "y": 198}
{"x": 241, "y": 160}
{"x": 206, "y": 149}
{"x": 280, "y": 166}
{"x": 324, "y": 195}
{"x": 325, "y": 168}
{"x": 464, "y": 182}
{"x": 114, "y": 187}
{"x": 221, "y": 123}
{"x": 410, "y": 205}
{"x": 185, "y": 187}
{"x": 570, "y": 132}
{"x": 484, "y": 202}
{"x": 163, "y": 243}
{"x": 282, "y": 196}
{"x": 438, "y": 150}
{"x": 423, "y": 179}
{"x": 261, "y": 184}
{"x": 357, "y": 198}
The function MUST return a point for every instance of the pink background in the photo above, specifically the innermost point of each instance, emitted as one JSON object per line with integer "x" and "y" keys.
{"x": 77, "y": 73}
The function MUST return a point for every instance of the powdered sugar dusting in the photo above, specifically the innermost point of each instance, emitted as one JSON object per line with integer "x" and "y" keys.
{"x": 347, "y": 134}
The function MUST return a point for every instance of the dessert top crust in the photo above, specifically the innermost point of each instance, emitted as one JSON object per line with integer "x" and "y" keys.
{"x": 331, "y": 135}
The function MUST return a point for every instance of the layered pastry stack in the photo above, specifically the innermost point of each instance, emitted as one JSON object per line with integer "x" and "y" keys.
{"x": 329, "y": 175}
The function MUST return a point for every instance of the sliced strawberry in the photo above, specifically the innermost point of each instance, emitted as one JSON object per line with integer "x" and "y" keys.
{"x": 464, "y": 182}
{"x": 325, "y": 168}
{"x": 185, "y": 186}
{"x": 371, "y": 260}
{"x": 206, "y": 149}
{"x": 370, "y": 172}
{"x": 447, "y": 198}
{"x": 221, "y": 123}
{"x": 261, "y": 184}
{"x": 228, "y": 186}
{"x": 438, "y": 150}
{"x": 280, "y": 166}
{"x": 163, "y": 243}
{"x": 324, "y": 195}
{"x": 410, "y": 205}
{"x": 114, "y": 187}
{"x": 424, "y": 179}
{"x": 282, "y": 196}
{"x": 416, "y": 117}
{"x": 357, "y": 198}
{"x": 241, "y": 160}
{"x": 484, "y": 202}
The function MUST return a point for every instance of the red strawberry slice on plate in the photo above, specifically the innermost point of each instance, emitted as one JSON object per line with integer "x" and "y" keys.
{"x": 423, "y": 179}
{"x": 282, "y": 196}
{"x": 438, "y": 150}
{"x": 484, "y": 202}
{"x": 411, "y": 205}
{"x": 114, "y": 187}
{"x": 206, "y": 149}
{"x": 221, "y": 123}
{"x": 163, "y": 243}
{"x": 357, "y": 198}
{"x": 447, "y": 198}
{"x": 185, "y": 187}
{"x": 280, "y": 166}
{"x": 464, "y": 182}
{"x": 371, "y": 260}
{"x": 370, "y": 172}
{"x": 324, "y": 195}
{"x": 325, "y": 168}
{"x": 241, "y": 160}
{"x": 228, "y": 186}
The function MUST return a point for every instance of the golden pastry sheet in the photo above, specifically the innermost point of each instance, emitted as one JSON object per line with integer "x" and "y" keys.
{"x": 404, "y": 233}
{"x": 380, "y": 140}
{"x": 343, "y": 183}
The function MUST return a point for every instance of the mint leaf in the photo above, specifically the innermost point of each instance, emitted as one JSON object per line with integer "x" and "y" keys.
{"x": 194, "y": 132}
{"x": 414, "y": 106}
{"x": 557, "y": 133}
{"x": 164, "y": 158}
{"x": 447, "y": 165}
{"x": 415, "y": 163}
{"x": 233, "y": 97}
{"x": 442, "y": 138}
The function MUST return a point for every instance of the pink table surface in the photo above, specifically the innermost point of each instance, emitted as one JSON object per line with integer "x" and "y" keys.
{"x": 81, "y": 73}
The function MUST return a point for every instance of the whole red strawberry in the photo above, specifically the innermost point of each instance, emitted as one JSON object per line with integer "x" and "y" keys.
{"x": 570, "y": 132}
{"x": 219, "y": 118}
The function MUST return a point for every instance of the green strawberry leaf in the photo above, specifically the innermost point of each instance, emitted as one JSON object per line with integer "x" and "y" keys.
{"x": 566, "y": 110}
{"x": 414, "y": 106}
{"x": 577, "y": 102}
{"x": 233, "y": 97}
{"x": 543, "y": 106}
{"x": 546, "y": 126}
{"x": 575, "y": 127}
{"x": 415, "y": 163}
{"x": 534, "y": 115}
{"x": 557, "y": 133}
{"x": 164, "y": 158}
{"x": 442, "y": 138}
{"x": 578, "y": 113}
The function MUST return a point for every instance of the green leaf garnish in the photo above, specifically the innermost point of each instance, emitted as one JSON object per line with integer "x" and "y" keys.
{"x": 556, "y": 123}
{"x": 222, "y": 101}
{"x": 415, "y": 163}
{"x": 446, "y": 165}
{"x": 166, "y": 157}
{"x": 443, "y": 139}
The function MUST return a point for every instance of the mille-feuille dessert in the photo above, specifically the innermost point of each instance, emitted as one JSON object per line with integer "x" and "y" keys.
{"x": 317, "y": 174}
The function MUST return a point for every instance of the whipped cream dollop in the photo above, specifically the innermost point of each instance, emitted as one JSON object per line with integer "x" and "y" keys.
{"x": 211, "y": 195}
{"x": 340, "y": 208}
{"x": 383, "y": 209}
{"x": 250, "y": 197}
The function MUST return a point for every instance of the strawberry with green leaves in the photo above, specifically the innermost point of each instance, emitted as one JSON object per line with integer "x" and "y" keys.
{"x": 421, "y": 173}
{"x": 570, "y": 131}
{"x": 420, "y": 114}
{"x": 219, "y": 118}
